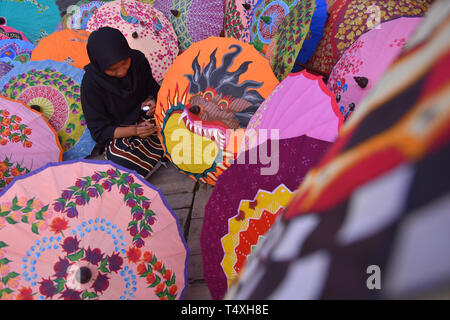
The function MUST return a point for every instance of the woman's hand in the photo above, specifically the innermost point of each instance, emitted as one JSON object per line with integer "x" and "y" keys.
{"x": 151, "y": 102}
{"x": 145, "y": 129}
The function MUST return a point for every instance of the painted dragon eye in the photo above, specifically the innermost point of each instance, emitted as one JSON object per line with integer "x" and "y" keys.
{"x": 223, "y": 105}
{"x": 208, "y": 95}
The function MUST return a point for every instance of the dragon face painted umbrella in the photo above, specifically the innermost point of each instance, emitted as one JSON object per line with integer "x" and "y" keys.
{"x": 349, "y": 19}
{"x": 297, "y": 37}
{"x": 361, "y": 65}
{"x": 27, "y": 141}
{"x": 36, "y": 19}
{"x": 10, "y": 33}
{"x": 65, "y": 46}
{"x": 267, "y": 17}
{"x": 193, "y": 20}
{"x": 202, "y": 112}
{"x": 238, "y": 214}
{"x": 78, "y": 15}
{"x": 300, "y": 105}
{"x": 364, "y": 207}
{"x": 53, "y": 88}
{"x": 237, "y": 19}
{"x": 89, "y": 230}
{"x": 145, "y": 28}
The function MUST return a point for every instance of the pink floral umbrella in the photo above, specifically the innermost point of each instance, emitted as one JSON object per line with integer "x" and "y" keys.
{"x": 27, "y": 141}
{"x": 7, "y": 32}
{"x": 145, "y": 28}
{"x": 360, "y": 67}
{"x": 89, "y": 230}
{"x": 300, "y": 105}
{"x": 237, "y": 19}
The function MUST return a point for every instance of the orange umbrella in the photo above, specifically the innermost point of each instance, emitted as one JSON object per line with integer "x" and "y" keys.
{"x": 205, "y": 102}
{"x": 66, "y": 46}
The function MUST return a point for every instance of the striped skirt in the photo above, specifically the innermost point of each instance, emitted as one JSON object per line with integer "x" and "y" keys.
{"x": 138, "y": 154}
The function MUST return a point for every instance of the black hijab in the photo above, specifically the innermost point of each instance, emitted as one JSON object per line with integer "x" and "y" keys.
{"x": 109, "y": 101}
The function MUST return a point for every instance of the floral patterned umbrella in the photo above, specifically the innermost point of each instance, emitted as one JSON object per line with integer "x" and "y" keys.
{"x": 89, "y": 230}
{"x": 361, "y": 65}
{"x": 53, "y": 88}
{"x": 78, "y": 15}
{"x": 193, "y": 20}
{"x": 66, "y": 46}
{"x": 145, "y": 28}
{"x": 349, "y": 19}
{"x": 297, "y": 36}
{"x": 206, "y": 101}
{"x": 27, "y": 141}
{"x": 35, "y": 18}
{"x": 374, "y": 213}
{"x": 238, "y": 15}
{"x": 10, "y": 33}
{"x": 238, "y": 214}
{"x": 16, "y": 51}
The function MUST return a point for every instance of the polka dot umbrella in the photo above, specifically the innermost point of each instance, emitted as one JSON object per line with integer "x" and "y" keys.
{"x": 53, "y": 88}
{"x": 145, "y": 28}
{"x": 89, "y": 230}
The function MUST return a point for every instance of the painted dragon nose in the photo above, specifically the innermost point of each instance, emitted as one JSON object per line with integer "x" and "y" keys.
{"x": 195, "y": 110}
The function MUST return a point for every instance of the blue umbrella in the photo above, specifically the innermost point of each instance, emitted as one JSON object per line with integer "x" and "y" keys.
{"x": 15, "y": 51}
{"x": 53, "y": 88}
{"x": 36, "y": 19}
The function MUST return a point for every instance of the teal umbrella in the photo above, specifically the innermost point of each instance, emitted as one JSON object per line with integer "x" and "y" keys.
{"x": 35, "y": 18}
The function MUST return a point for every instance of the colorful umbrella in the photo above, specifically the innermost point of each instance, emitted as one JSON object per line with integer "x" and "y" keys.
{"x": 311, "y": 111}
{"x": 78, "y": 15}
{"x": 27, "y": 141}
{"x": 349, "y": 19}
{"x": 208, "y": 107}
{"x": 297, "y": 37}
{"x": 238, "y": 214}
{"x": 11, "y": 33}
{"x": 66, "y": 46}
{"x": 237, "y": 18}
{"x": 89, "y": 230}
{"x": 193, "y": 20}
{"x": 15, "y": 51}
{"x": 53, "y": 88}
{"x": 266, "y": 19}
{"x": 36, "y": 19}
{"x": 361, "y": 65}
{"x": 374, "y": 214}
{"x": 5, "y": 67}
{"x": 145, "y": 28}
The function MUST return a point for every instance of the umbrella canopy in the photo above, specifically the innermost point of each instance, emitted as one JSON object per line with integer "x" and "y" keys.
{"x": 78, "y": 15}
{"x": 238, "y": 214}
{"x": 311, "y": 111}
{"x": 297, "y": 37}
{"x": 90, "y": 230}
{"x": 145, "y": 28}
{"x": 15, "y": 51}
{"x": 266, "y": 19}
{"x": 349, "y": 19}
{"x": 36, "y": 19}
{"x": 27, "y": 141}
{"x": 5, "y": 67}
{"x": 237, "y": 18}
{"x": 11, "y": 33}
{"x": 361, "y": 65}
{"x": 66, "y": 46}
{"x": 378, "y": 202}
{"x": 53, "y": 88}
{"x": 209, "y": 107}
{"x": 193, "y": 20}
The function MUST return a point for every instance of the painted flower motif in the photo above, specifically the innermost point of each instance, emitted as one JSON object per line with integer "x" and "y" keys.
{"x": 168, "y": 275}
{"x": 96, "y": 177}
{"x": 71, "y": 212}
{"x": 93, "y": 256}
{"x": 173, "y": 290}
{"x": 61, "y": 267}
{"x": 150, "y": 279}
{"x": 58, "y": 206}
{"x": 25, "y": 293}
{"x": 160, "y": 288}
{"x": 92, "y": 192}
{"x": 70, "y": 245}
{"x": 80, "y": 200}
{"x": 134, "y": 254}
{"x": 58, "y": 225}
{"x": 157, "y": 266}
{"x": 107, "y": 185}
{"x": 101, "y": 283}
{"x": 115, "y": 262}
{"x": 67, "y": 194}
{"x": 148, "y": 256}
{"x": 70, "y": 294}
{"x": 139, "y": 243}
{"x": 47, "y": 288}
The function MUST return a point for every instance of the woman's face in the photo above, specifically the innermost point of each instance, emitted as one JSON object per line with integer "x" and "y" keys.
{"x": 120, "y": 69}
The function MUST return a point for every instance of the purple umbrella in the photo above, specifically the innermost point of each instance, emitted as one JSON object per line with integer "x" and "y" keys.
{"x": 193, "y": 20}
{"x": 238, "y": 214}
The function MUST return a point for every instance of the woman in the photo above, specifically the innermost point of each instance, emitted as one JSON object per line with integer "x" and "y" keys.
{"x": 118, "y": 82}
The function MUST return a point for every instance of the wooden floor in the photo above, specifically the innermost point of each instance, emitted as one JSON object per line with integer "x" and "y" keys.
{"x": 187, "y": 199}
